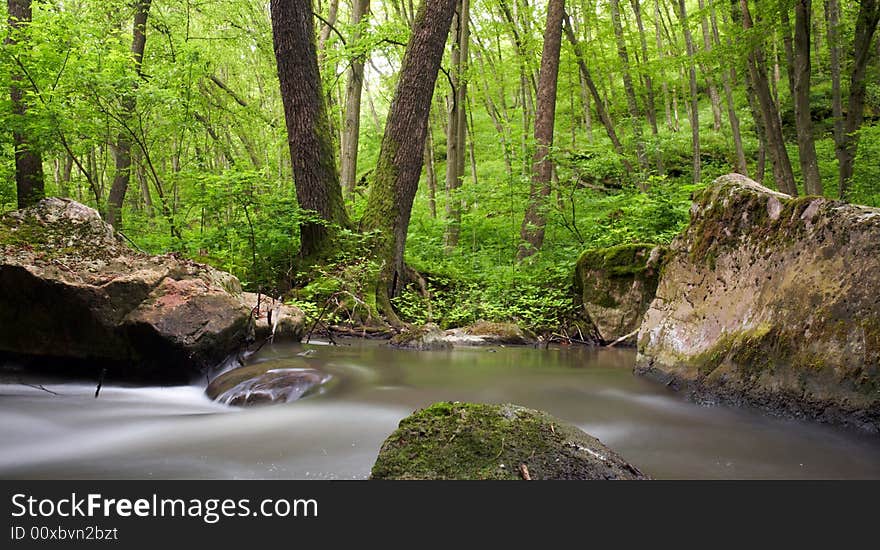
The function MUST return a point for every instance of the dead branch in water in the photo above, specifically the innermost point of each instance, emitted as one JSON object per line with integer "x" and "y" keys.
{"x": 622, "y": 338}
{"x": 40, "y": 387}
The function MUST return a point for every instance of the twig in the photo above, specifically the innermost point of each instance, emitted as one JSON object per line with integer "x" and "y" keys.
{"x": 622, "y": 338}
{"x": 100, "y": 382}
{"x": 40, "y": 387}
{"x": 524, "y": 472}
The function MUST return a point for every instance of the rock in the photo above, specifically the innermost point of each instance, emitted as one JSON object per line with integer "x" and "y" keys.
{"x": 275, "y": 318}
{"x": 479, "y": 441}
{"x": 425, "y": 338}
{"x": 266, "y": 383}
{"x": 616, "y": 285}
{"x": 70, "y": 289}
{"x": 485, "y": 333}
{"x": 771, "y": 301}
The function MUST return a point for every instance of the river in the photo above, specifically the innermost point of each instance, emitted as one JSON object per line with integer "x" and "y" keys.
{"x": 177, "y": 432}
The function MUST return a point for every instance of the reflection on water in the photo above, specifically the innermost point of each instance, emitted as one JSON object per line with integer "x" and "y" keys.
{"x": 177, "y": 432}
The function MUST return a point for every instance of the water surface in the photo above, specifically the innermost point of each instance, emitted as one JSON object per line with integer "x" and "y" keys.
{"x": 176, "y": 432}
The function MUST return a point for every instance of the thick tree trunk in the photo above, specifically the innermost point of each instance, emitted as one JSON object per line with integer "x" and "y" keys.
{"x": 352, "y": 125}
{"x": 597, "y": 98}
{"x": 866, "y": 25}
{"x": 396, "y": 178}
{"x": 121, "y": 178}
{"x": 29, "y": 183}
{"x": 456, "y": 128}
{"x": 801, "y": 73}
{"x": 832, "y": 14}
{"x": 308, "y": 126}
{"x": 535, "y": 220}
{"x": 692, "y": 74}
{"x": 769, "y": 113}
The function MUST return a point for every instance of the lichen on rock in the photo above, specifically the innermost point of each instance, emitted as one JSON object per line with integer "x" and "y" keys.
{"x": 771, "y": 301}
{"x": 453, "y": 440}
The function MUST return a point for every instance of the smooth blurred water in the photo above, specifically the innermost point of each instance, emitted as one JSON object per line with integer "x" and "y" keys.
{"x": 177, "y": 432}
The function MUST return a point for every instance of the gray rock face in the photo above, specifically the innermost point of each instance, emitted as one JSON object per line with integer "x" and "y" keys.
{"x": 772, "y": 301}
{"x": 70, "y": 289}
{"x": 616, "y": 285}
{"x": 480, "y": 441}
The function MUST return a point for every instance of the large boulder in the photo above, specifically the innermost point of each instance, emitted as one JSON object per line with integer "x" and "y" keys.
{"x": 616, "y": 285}
{"x": 772, "y": 301}
{"x": 479, "y": 441}
{"x": 71, "y": 289}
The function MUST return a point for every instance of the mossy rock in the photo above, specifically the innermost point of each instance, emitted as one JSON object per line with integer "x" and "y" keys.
{"x": 501, "y": 333}
{"x": 616, "y": 285}
{"x": 428, "y": 337}
{"x": 453, "y": 440}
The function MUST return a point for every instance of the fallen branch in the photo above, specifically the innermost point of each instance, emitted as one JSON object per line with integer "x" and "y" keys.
{"x": 40, "y": 387}
{"x": 622, "y": 338}
{"x": 100, "y": 382}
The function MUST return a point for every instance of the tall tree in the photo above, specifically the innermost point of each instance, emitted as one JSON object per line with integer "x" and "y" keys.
{"x": 535, "y": 220}
{"x": 309, "y": 134}
{"x": 803, "y": 118}
{"x": 740, "y": 164}
{"x": 692, "y": 79}
{"x": 396, "y": 178}
{"x": 28, "y": 159}
{"x": 768, "y": 110}
{"x": 587, "y": 77}
{"x": 352, "y": 124}
{"x": 866, "y": 25}
{"x": 456, "y": 127}
{"x": 119, "y": 187}
{"x": 631, "y": 102}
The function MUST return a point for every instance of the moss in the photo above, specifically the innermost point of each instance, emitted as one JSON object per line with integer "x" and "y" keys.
{"x": 626, "y": 260}
{"x": 480, "y": 441}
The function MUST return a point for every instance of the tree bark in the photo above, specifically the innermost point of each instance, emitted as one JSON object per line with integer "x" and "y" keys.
{"x": 353, "y": 90}
{"x": 769, "y": 112}
{"x": 122, "y": 177}
{"x": 535, "y": 220}
{"x": 396, "y": 179}
{"x": 740, "y": 164}
{"x": 29, "y": 183}
{"x": 309, "y": 132}
{"x": 801, "y": 73}
{"x": 456, "y": 128}
{"x": 866, "y": 25}
{"x": 714, "y": 97}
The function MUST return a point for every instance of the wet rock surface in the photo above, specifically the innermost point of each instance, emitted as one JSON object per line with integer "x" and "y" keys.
{"x": 771, "y": 301}
{"x": 479, "y": 441}
{"x": 267, "y": 383}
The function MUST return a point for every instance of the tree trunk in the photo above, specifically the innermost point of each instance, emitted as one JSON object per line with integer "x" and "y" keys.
{"x": 866, "y": 25}
{"x": 597, "y": 98}
{"x": 832, "y": 13}
{"x": 123, "y": 142}
{"x": 801, "y": 73}
{"x": 667, "y": 107}
{"x": 714, "y": 97}
{"x": 692, "y": 73}
{"x": 430, "y": 173}
{"x": 740, "y": 164}
{"x": 399, "y": 166}
{"x": 456, "y": 128}
{"x": 29, "y": 183}
{"x": 769, "y": 112}
{"x": 650, "y": 107}
{"x": 353, "y": 89}
{"x": 631, "y": 102}
{"x": 535, "y": 220}
{"x": 309, "y": 133}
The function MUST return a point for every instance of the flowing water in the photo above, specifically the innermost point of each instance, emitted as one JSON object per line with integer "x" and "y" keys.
{"x": 177, "y": 432}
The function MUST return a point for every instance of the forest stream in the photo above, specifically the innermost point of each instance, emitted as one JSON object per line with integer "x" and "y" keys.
{"x": 60, "y": 430}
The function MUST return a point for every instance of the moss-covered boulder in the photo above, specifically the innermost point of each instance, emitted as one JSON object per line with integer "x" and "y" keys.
{"x": 772, "y": 301}
{"x": 616, "y": 285}
{"x": 479, "y": 441}
{"x": 73, "y": 294}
